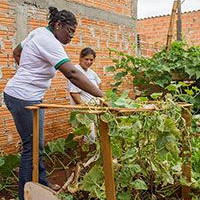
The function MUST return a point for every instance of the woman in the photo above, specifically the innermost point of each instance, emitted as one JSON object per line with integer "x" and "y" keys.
{"x": 77, "y": 95}
{"x": 86, "y": 59}
{"x": 39, "y": 56}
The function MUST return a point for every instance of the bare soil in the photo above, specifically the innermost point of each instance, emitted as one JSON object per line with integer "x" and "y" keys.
{"x": 59, "y": 168}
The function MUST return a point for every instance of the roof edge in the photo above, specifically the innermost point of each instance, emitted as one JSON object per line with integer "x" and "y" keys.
{"x": 157, "y": 16}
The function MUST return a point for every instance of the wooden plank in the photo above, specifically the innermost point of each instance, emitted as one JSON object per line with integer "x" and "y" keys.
{"x": 43, "y": 105}
{"x": 91, "y": 112}
{"x": 186, "y": 155}
{"x": 99, "y": 109}
{"x": 31, "y": 107}
{"x": 35, "y": 175}
{"x": 92, "y": 108}
{"x": 107, "y": 161}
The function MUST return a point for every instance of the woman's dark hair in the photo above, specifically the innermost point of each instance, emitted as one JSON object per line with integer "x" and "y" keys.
{"x": 86, "y": 51}
{"x": 66, "y": 17}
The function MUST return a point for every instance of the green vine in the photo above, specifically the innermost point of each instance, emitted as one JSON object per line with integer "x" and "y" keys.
{"x": 180, "y": 63}
{"x": 146, "y": 149}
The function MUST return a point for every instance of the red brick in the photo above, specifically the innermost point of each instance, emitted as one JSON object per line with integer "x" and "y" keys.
{"x": 154, "y": 30}
{"x": 56, "y": 120}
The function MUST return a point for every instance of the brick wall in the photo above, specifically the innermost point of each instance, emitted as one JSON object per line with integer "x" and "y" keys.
{"x": 117, "y": 6}
{"x": 153, "y": 31}
{"x": 102, "y": 24}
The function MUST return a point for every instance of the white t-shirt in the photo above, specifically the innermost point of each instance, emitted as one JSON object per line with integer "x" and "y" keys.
{"x": 41, "y": 55}
{"x": 92, "y": 76}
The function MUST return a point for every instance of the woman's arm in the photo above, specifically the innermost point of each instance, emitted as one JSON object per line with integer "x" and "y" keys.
{"x": 17, "y": 53}
{"x": 79, "y": 79}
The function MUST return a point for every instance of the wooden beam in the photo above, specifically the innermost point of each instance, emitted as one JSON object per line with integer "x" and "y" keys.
{"x": 35, "y": 175}
{"x": 99, "y": 109}
{"x": 171, "y": 25}
{"x": 179, "y": 23}
{"x": 107, "y": 161}
{"x": 92, "y": 108}
{"x": 186, "y": 154}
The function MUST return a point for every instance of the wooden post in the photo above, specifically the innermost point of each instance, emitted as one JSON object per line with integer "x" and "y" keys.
{"x": 107, "y": 161}
{"x": 186, "y": 154}
{"x": 35, "y": 175}
{"x": 171, "y": 25}
{"x": 179, "y": 23}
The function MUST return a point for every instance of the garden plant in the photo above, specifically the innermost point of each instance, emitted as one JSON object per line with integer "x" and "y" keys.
{"x": 146, "y": 146}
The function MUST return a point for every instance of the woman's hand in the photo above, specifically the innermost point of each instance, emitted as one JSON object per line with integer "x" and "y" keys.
{"x": 103, "y": 102}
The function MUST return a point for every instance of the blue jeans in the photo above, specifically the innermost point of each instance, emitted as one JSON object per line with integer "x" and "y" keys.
{"x": 24, "y": 123}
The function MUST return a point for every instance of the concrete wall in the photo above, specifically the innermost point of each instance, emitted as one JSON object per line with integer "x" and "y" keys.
{"x": 153, "y": 31}
{"x": 102, "y": 24}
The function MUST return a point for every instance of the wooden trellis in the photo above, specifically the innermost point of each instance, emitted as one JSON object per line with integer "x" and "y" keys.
{"x": 106, "y": 145}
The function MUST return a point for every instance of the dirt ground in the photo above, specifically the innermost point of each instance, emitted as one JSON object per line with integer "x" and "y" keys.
{"x": 59, "y": 168}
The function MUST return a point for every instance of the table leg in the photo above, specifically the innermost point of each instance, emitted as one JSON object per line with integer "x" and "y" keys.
{"x": 35, "y": 175}
{"x": 186, "y": 155}
{"x": 107, "y": 161}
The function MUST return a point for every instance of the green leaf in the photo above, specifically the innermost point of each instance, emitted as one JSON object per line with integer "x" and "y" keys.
{"x": 70, "y": 143}
{"x": 171, "y": 126}
{"x": 172, "y": 87}
{"x": 2, "y": 162}
{"x": 189, "y": 92}
{"x": 82, "y": 130}
{"x": 111, "y": 95}
{"x": 156, "y": 95}
{"x": 197, "y": 74}
{"x": 121, "y": 102}
{"x": 137, "y": 125}
{"x": 93, "y": 182}
{"x": 139, "y": 184}
{"x": 135, "y": 169}
{"x": 73, "y": 117}
{"x": 154, "y": 168}
{"x": 57, "y": 146}
{"x": 167, "y": 179}
{"x": 83, "y": 119}
{"x": 124, "y": 177}
{"x": 120, "y": 75}
{"x": 162, "y": 82}
{"x": 183, "y": 84}
{"x": 129, "y": 154}
{"x": 106, "y": 117}
{"x": 124, "y": 196}
{"x": 196, "y": 89}
{"x": 110, "y": 69}
{"x": 65, "y": 197}
{"x": 10, "y": 163}
{"x": 142, "y": 99}
{"x": 177, "y": 167}
{"x": 125, "y": 94}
